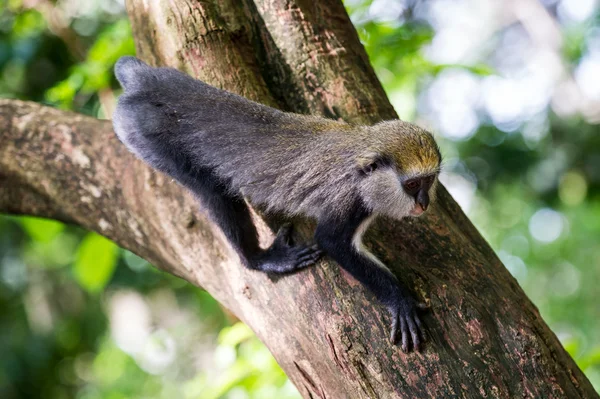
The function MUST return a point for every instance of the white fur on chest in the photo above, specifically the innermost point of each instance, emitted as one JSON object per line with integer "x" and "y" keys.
{"x": 357, "y": 241}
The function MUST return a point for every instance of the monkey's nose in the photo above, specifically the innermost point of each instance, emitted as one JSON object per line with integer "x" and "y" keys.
{"x": 423, "y": 199}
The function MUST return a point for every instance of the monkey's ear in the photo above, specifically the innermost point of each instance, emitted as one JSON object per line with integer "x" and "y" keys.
{"x": 369, "y": 168}
{"x": 131, "y": 73}
{"x": 370, "y": 162}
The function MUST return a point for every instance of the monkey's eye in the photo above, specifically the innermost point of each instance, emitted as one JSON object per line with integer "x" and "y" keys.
{"x": 412, "y": 185}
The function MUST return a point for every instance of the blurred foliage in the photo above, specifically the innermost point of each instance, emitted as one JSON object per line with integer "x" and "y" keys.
{"x": 83, "y": 318}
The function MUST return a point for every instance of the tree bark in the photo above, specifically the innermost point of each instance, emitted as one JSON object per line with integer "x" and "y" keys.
{"x": 329, "y": 334}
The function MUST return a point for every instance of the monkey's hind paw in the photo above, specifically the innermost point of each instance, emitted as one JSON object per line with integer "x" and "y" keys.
{"x": 301, "y": 256}
{"x": 285, "y": 257}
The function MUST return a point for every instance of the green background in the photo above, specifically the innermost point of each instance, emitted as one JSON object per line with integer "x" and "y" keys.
{"x": 516, "y": 114}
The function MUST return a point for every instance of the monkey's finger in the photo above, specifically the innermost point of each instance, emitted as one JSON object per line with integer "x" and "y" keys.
{"x": 310, "y": 259}
{"x": 405, "y": 334}
{"x": 304, "y": 263}
{"x": 315, "y": 256}
{"x": 318, "y": 252}
{"x": 309, "y": 251}
{"x": 414, "y": 333}
{"x": 316, "y": 248}
{"x": 394, "y": 332}
{"x": 423, "y": 306}
{"x": 420, "y": 327}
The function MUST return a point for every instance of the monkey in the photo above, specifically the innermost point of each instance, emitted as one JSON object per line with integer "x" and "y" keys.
{"x": 225, "y": 148}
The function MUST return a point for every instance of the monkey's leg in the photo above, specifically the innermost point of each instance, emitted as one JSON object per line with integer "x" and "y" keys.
{"x": 337, "y": 239}
{"x": 232, "y": 215}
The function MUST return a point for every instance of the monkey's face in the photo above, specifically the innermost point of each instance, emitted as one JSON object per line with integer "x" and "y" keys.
{"x": 389, "y": 192}
{"x": 399, "y": 170}
{"x": 422, "y": 189}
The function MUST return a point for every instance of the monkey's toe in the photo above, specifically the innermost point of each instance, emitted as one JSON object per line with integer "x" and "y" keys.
{"x": 303, "y": 256}
{"x": 284, "y": 258}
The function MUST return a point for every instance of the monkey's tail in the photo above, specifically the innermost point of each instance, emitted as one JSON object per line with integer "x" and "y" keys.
{"x": 130, "y": 73}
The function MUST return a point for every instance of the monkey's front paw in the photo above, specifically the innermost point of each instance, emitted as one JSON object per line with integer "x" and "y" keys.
{"x": 285, "y": 257}
{"x": 405, "y": 317}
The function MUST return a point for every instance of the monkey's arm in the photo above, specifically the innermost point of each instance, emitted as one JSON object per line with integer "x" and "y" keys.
{"x": 336, "y": 238}
{"x": 230, "y": 212}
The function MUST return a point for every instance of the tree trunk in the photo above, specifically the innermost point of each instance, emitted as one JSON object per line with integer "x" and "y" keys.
{"x": 329, "y": 334}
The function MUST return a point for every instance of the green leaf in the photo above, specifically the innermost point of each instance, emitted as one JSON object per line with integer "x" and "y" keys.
{"x": 96, "y": 261}
{"x": 28, "y": 23}
{"x": 134, "y": 262}
{"x": 592, "y": 358}
{"x": 94, "y": 73}
{"x": 42, "y": 230}
{"x": 234, "y": 335}
{"x": 571, "y": 345}
{"x": 55, "y": 253}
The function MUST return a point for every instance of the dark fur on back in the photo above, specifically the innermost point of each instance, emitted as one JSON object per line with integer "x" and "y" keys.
{"x": 274, "y": 158}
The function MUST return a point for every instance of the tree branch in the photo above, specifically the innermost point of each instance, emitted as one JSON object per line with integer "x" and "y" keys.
{"x": 325, "y": 330}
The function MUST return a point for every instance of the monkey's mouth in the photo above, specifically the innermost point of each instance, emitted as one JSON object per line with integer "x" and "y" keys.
{"x": 417, "y": 210}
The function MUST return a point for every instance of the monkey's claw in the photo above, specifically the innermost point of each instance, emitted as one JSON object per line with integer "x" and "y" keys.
{"x": 405, "y": 318}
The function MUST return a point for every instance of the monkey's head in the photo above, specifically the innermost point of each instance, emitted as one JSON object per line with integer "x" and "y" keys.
{"x": 399, "y": 170}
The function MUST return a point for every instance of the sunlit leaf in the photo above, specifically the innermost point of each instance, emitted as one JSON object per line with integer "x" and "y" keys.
{"x": 109, "y": 365}
{"x": 590, "y": 359}
{"x": 571, "y": 345}
{"x": 235, "y": 334}
{"x": 28, "y": 23}
{"x": 39, "y": 229}
{"x": 95, "y": 72}
{"x": 96, "y": 261}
